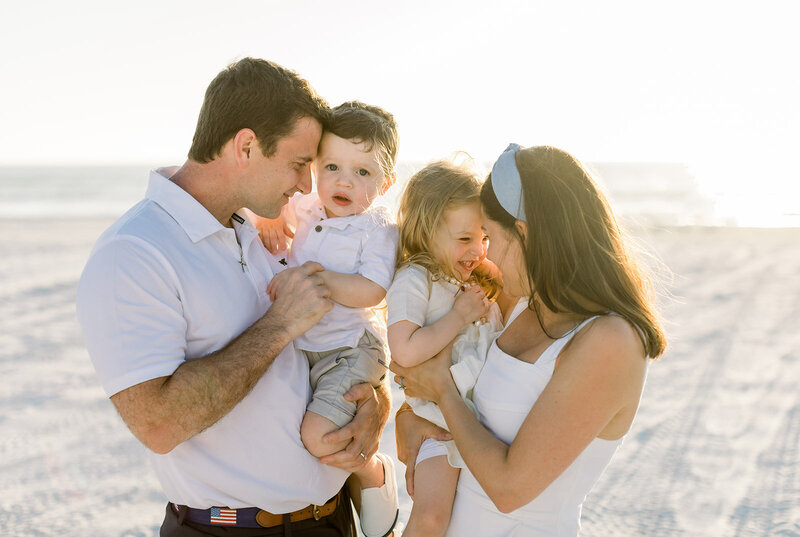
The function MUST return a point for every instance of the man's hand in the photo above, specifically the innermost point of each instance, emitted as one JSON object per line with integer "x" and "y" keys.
{"x": 410, "y": 432}
{"x": 278, "y": 282}
{"x": 372, "y": 412}
{"x": 299, "y": 298}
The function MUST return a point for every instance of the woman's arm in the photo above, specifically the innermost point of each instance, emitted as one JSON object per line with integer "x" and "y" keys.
{"x": 600, "y": 376}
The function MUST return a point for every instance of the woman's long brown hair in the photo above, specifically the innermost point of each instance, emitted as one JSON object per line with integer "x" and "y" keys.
{"x": 575, "y": 252}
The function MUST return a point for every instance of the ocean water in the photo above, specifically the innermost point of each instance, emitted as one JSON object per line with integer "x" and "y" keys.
{"x": 70, "y": 191}
{"x": 642, "y": 193}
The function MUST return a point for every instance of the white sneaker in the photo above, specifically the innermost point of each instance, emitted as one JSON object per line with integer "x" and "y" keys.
{"x": 379, "y": 505}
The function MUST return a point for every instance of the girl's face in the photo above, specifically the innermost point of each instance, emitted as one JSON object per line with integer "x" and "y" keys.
{"x": 505, "y": 251}
{"x": 459, "y": 242}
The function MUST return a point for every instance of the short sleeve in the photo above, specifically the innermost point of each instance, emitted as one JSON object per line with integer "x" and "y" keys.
{"x": 130, "y": 311}
{"x": 407, "y": 299}
{"x": 378, "y": 254}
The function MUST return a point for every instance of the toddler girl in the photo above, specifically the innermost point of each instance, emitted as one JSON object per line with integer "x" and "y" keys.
{"x": 440, "y": 293}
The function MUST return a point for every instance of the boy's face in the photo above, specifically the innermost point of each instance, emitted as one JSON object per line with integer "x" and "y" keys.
{"x": 348, "y": 176}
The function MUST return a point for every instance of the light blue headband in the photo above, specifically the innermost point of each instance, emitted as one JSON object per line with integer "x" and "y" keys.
{"x": 507, "y": 184}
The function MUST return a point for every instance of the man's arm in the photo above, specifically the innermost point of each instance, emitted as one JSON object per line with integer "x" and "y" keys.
{"x": 165, "y": 411}
{"x": 372, "y": 413}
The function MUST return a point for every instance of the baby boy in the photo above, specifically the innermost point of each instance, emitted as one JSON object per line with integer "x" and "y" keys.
{"x": 355, "y": 241}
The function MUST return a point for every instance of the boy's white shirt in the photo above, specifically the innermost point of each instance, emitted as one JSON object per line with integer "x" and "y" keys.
{"x": 363, "y": 244}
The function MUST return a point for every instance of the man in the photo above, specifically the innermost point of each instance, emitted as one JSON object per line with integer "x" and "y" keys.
{"x": 197, "y": 360}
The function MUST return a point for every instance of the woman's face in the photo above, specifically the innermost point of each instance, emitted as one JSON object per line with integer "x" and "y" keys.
{"x": 505, "y": 252}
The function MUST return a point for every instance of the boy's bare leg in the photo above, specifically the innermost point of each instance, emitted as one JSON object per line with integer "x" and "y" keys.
{"x": 314, "y": 427}
{"x": 434, "y": 492}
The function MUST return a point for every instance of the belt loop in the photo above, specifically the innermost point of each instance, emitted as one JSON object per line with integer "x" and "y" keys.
{"x": 181, "y": 514}
{"x": 287, "y": 525}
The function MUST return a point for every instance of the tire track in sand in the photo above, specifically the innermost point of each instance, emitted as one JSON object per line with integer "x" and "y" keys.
{"x": 686, "y": 473}
{"x": 772, "y": 504}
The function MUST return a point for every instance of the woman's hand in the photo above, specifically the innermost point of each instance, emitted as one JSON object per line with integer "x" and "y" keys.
{"x": 410, "y": 432}
{"x": 430, "y": 380}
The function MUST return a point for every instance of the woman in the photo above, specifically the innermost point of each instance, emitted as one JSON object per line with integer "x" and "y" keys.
{"x": 562, "y": 383}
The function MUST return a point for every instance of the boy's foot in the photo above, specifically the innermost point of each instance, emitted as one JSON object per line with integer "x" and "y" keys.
{"x": 379, "y": 505}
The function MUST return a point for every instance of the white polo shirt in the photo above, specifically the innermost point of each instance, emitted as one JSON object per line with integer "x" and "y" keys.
{"x": 163, "y": 285}
{"x": 362, "y": 244}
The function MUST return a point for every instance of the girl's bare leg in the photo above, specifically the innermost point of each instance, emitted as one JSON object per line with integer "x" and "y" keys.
{"x": 434, "y": 492}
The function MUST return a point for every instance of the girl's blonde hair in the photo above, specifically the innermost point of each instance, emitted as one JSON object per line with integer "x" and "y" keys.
{"x": 434, "y": 189}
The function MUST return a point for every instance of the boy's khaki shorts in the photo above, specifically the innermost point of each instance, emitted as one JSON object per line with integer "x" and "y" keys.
{"x": 334, "y": 372}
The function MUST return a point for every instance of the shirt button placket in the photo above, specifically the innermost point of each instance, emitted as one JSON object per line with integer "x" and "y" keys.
{"x": 314, "y": 240}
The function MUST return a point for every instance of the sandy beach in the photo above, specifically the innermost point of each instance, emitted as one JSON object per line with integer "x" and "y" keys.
{"x": 714, "y": 451}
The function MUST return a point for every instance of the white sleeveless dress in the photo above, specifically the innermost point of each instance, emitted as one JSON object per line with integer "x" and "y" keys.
{"x": 505, "y": 392}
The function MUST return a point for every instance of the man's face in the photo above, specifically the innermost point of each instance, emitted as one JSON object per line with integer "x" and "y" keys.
{"x": 273, "y": 180}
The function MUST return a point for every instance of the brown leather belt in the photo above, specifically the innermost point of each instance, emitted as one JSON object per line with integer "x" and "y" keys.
{"x": 253, "y": 517}
{"x": 266, "y": 519}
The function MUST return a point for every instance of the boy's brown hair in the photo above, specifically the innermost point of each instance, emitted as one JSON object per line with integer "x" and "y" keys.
{"x": 254, "y": 94}
{"x": 371, "y": 125}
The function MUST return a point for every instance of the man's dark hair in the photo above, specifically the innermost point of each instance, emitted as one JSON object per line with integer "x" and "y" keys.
{"x": 254, "y": 94}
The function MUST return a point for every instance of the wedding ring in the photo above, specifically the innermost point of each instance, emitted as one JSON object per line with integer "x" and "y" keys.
{"x": 363, "y": 456}
{"x": 400, "y": 382}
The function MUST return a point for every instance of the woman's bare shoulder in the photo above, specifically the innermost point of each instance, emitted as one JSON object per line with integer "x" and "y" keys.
{"x": 611, "y": 337}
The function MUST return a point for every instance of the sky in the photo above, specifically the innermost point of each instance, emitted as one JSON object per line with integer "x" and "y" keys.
{"x": 714, "y": 85}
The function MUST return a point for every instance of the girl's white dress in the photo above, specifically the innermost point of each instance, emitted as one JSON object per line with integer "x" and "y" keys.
{"x": 504, "y": 395}
{"x": 414, "y": 296}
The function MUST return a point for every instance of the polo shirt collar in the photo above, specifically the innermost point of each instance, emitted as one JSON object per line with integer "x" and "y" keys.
{"x": 189, "y": 213}
{"x": 364, "y": 220}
